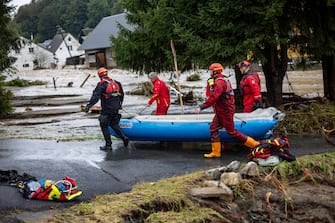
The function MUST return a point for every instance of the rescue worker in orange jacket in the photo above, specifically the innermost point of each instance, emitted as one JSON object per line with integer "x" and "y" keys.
{"x": 110, "y": 93}
{"x": 161, "y": 94}
{"x": 222, "y": 100}
{"x": 250, "y": 87}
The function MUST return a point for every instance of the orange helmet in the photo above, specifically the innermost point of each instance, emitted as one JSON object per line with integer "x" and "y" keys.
{"x": 216, "y": 68}
{"x": 102, "y": 72}
{"x": 244, "y": 63}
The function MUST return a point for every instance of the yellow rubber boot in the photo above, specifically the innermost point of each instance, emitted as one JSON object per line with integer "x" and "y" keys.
{"x": 216, "y": 150}
{"x": 251, "y": 143}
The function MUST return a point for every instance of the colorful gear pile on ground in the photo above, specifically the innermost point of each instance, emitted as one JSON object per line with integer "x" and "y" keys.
{"x": 46, "y": 189}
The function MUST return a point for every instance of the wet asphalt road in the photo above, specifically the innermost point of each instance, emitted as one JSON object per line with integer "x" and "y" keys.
{"x": 99, "y": 172}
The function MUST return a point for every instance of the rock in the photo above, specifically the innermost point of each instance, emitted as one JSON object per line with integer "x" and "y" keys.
{"x": 250, "y": 170}
{"x": 233, "y": 166}
{"x": 211, "y": 183}
{"x": 70, "y": 84}
{"x": 225, "y": 193}
{"x": 213, "y": 174}
{"x": 270, "y": 161}
{"x": 231, "y": 178}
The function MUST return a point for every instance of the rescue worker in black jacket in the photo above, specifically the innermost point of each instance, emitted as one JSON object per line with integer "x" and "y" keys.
{"x": 110, "y": 93}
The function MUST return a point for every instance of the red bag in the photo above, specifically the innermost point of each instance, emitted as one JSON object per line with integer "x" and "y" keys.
{"x": 275, "y": 146}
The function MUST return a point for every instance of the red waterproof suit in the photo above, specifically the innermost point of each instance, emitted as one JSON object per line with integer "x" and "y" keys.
{"x": 250, "y": 86}
{"x": 222, "y": 99}
{"x": 161, "y": 95}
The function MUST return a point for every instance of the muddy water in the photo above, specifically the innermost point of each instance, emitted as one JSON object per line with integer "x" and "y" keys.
{"x": 60, "y": 118}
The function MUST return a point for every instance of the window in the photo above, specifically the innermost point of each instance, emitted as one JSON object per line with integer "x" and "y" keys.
{"x": 91, "y": 58}
{"x": 17, "y": 51}
{"x": 70, "y": 48}
{"x": 31, "y": 49}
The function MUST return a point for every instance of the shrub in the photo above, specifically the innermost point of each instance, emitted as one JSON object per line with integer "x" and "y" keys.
{"x": 17, "y": 82}
{"x": 5, "y": 102}
{"x": 194, "y": 77}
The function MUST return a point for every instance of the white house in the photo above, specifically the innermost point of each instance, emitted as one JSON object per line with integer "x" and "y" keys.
{"x": 31, "y": 56}
{"x": 63, "y": 46}
{"x": 49, "y": 54}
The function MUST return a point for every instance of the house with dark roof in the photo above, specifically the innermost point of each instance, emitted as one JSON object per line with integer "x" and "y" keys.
{"x": 98, "y": 46}
{"x": 63, "y": 46}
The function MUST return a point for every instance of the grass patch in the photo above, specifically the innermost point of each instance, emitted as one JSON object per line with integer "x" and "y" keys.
{"x": 18, "y": 82}
{"x": 316, "y": 168}
{"x": 162, "y": 201}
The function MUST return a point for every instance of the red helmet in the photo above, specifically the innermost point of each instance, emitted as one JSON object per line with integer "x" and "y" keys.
{"x": 102, "y": 72}
{"x": 216, "y": 67}
{"x": 244, "y": 63}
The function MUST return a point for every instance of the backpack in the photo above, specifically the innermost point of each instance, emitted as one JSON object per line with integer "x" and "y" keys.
{"x": 273, "y": 146}
{"x": 112, "y": 90}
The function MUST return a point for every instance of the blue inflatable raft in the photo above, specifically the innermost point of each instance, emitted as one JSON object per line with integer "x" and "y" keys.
{"x": 195, "y": 127}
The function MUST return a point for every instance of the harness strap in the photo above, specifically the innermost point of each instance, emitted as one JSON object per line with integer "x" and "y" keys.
{"x": 229, "y": 90}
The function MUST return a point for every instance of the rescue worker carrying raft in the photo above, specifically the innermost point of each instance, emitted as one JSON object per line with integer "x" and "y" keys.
{"x": 250, "y": 87}
{"x": 161, "y": 94}
{"x": 111, "y": 94}
{"x": 222, "y": 98}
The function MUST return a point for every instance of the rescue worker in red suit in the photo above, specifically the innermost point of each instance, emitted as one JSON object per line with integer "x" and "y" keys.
{"x": 250, "y": 87}
{"x": 161, "y": 94}
{"x": 110, "y": 105}
{"x": 222, "y": 101}
{"x": 209, "y": 90}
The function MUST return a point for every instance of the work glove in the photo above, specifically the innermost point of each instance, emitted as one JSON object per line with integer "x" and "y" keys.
{"x": 257, "y": 104}
{"x": 87, "y": 109}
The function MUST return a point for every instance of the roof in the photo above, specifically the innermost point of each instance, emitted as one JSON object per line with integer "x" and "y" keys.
{"x": 56, "y": 42}
{"x": 100, "y": 36}
{"x": 29, "y": 42}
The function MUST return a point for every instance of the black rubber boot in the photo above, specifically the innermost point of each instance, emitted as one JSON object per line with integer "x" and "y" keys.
{"x": 104, "y": 148}
{"x": 107, "y": 136}
{"x": 125, "y": 141}
{"x": 118, "y": 131}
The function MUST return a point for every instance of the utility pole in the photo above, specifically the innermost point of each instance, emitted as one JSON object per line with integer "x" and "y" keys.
{"x": 61, "y": 31}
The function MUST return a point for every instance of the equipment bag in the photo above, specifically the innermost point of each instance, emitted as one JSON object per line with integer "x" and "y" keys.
{"x": 45, "y": 189}
{"x": 273, "y": 146}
